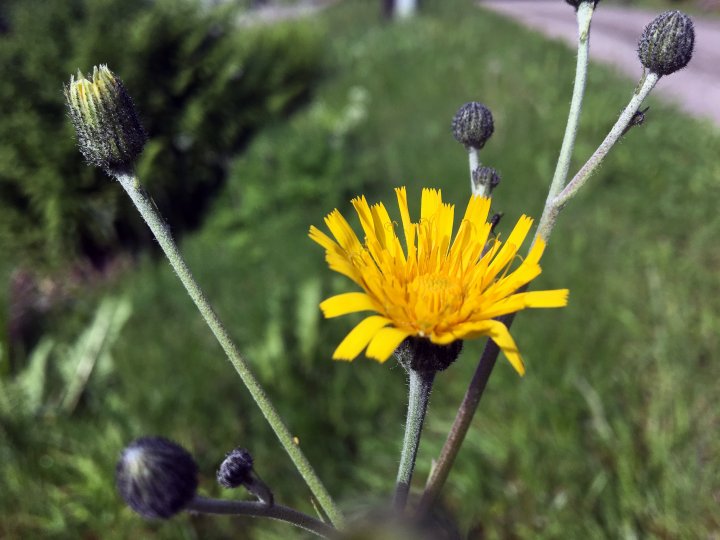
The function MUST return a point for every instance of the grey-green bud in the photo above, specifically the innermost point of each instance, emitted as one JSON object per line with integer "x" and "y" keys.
{"x": 666, "y": 44}
{"x": 108, "y": 129}
{"x": 473, "y": 125}
{"x": 483, "y": 177}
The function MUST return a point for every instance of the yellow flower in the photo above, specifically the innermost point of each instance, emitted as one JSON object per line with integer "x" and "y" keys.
{"x": 437, "y": 289}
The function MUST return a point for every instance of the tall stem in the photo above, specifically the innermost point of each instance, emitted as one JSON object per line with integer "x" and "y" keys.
{"x": 584, "y": 18}
{"x": 420, "y": 385}
{"x": 477, "y": 385}
{"x": 161, "y": 232}
{"x": 463, "y": 418}
{"x": 257, "y": 509}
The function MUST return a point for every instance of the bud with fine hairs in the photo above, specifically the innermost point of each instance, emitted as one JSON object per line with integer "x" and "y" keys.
{"x": 485, "y": 178}
{"x": 237, "y": 470}
{"x": 667, "y": 43}
{"x": 156, "y": 477}
{"x": 473, "y": 125}
{"x": 108, "y": 129}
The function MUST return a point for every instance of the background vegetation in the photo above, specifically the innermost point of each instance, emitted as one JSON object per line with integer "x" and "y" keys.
{"x": 612, "y": 433}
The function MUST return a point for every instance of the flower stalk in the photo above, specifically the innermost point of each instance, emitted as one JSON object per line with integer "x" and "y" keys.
{"x": 161, "y": 231}
{"x": 679, "y": 41}
{"x": 420, "y": 385}
{"x": 584, "y": 17}
{"x": 258, "y": 509}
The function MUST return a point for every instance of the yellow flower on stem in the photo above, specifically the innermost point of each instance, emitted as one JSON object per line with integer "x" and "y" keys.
{"x": 438, "y": 288}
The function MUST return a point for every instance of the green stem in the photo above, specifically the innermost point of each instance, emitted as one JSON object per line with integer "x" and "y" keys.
{"x": 257, "y": 509}
{"x": 470, "y": 402}
{"x": 161, "y": 231}
{"x": 420, "y": 385}
{"x": 547, "y": 222}
{"x": 584, "y": 18}
{"x": 613, "y": 137}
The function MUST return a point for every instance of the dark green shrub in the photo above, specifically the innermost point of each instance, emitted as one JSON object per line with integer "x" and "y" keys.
{"x": 202, "y": 86}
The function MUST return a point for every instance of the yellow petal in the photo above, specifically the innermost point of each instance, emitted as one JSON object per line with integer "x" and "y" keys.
{"x": 342, "y": 304}
{"x": 342, "y": 231}
{"x": 546, "y": 299}
{"x": 321, "y": 238}
{"x": 502, "y": 338}
{"x": 359, "y": 337}
{"x": 408, "y": 226}
{"x": 499, "y": 333}
{"x": 510, "y": 246}
{"x": 429, "y": 202}
{"x": 385, "y": 342}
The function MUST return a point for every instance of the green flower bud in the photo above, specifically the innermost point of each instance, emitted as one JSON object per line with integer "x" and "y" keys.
{"x": 485, "y": 176}
{"x": 423, "y": 355}
{"x": 666, "y": 44}
{"x": 108, "y": 130}
{"x": 473, "y": 125}
{"x": 156, "y": 477}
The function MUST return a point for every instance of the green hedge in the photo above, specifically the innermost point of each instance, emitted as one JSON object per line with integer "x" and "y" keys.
{"x": 202, "y": 86}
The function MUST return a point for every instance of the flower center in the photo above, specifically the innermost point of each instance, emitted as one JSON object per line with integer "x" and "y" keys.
{"x": 434, "y": 298}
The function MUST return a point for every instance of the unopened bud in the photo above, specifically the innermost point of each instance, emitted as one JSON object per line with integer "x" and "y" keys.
{"x": 666, "y": 44}
{"x": 485, "y": 179}
{"x": 108, "y": 130}
{"x": 237, "y": 470}
{"x": 473, "y": 125}
{"x": 156, "y": 477}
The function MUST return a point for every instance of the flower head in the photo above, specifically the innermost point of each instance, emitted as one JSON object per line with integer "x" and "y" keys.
{"x": 156, "y": 477}
{"x": 108, "y": 129}
{"x": 667, "y": 43}
{"x": 437, "y": 288}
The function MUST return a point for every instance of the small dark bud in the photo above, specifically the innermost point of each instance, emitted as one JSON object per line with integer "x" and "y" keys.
{"x": 156, "y": 477}
{"x": 473, "y": 125}
{"x": 667, "y": 43}
{"x": 485, "y": 177}
{"x": 576, "y": 3}
{"x": 236, "y": 469}
{"x": 421, "y": 354}
{"x": 108, "y": 129}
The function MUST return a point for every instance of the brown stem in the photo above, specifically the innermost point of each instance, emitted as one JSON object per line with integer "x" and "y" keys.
{"x": 463, "y": 418}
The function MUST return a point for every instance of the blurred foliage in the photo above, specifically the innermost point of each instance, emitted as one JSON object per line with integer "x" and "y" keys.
{"x": 611, "y": 434}
{"x": 202, "y": 87}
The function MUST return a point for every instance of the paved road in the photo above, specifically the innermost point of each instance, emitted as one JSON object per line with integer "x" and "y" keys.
{"x": 613, "y": 40}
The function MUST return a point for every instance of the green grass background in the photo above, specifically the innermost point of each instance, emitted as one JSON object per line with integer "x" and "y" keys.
{"x": 613, "y": 432}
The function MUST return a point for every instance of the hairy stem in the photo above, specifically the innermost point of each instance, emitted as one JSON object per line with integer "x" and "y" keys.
{"x": 474, "y": 163}
{"x": 257, "y": 509}
{"x": 616, "y": 132}
{"x": 420, "y": 385}
{"x": 161, "y": 231}
{"x": 584, "y": 18}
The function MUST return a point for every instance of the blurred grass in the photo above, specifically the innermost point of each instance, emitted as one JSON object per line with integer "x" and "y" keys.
{"x": 613, "y": 433}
